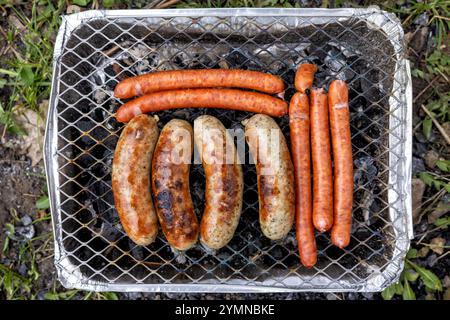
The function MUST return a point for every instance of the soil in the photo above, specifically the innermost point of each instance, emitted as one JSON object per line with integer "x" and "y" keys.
{"x": 21, "y": 185}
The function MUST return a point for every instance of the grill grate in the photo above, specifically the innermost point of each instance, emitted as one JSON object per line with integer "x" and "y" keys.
{"x": 97, "y": 49}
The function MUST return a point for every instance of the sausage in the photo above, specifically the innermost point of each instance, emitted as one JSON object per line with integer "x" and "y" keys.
{"x": 131, "y": 183}
{"x": 185, "y": 79}
{"x": 224, "y": 182}
{"x": 170, "y": 182}
{"x": 321, "y": 162}
{"x": 202, "y": 98}
{"x": 299, "y": 124}
{"x": 275, "y": 175}
{"x": 304, "y": 77}
{"x": 343, "y": 163}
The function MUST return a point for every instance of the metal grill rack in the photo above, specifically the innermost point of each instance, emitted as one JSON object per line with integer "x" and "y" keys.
{"x": 96, "y": 49}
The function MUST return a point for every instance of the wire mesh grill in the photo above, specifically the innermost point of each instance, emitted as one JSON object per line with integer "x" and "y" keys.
{"x": 100, "y": 49}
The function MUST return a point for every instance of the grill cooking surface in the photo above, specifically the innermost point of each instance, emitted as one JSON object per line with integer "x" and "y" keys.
{"x": 94, "y": 252}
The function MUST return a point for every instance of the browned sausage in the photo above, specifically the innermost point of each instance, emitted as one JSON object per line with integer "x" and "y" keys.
{"x": 205, "y": 78}
{"x": 203, "y": 98}
{"x": 170, "y": 182}
{"x": 275, "y": 175}
{"x": 224, "y": 182}
{"x": 343, "y": 163}
{"x": 131, "y": 179}
{"x": 304, "y": 77}
{"x": 321, "y": 162}
{"x": 299, "y": 124}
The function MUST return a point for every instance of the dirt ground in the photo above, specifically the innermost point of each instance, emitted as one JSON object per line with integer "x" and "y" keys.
{"x": 21, "y": 185}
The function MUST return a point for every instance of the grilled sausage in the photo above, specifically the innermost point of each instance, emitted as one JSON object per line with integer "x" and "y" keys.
{"x": 299, "y": 124}
{"x": 224, "y": 182}
{"x": 202, "y": 98}
{"x": 170, "y": 182}
{"x": 343, "y": 163}
{"x": 304, "y": 77}
{"x": 131, "y": 183}
{"x": 321, "y": 162}
{"x": 275, "y": 175}
{"x": 186, "y": 79}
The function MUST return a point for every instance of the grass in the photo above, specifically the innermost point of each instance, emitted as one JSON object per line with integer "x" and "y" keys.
{"x": 28, "y": 72}
{"x": 439, "y": 11}
{"x": 433, "y": 102}
{"x": 412, "y": 273}
{"x": 434, "y": 69}
{"x": 17, "y": 287}
{"x": 71, "y": 294}
{"x": 14, "y": 285}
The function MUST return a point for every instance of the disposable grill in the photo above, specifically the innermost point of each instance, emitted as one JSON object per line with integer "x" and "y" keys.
{"x": 96, "y": 49}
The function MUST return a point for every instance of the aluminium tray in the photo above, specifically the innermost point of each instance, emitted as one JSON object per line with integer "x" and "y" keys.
{"x": 95, "y": 49}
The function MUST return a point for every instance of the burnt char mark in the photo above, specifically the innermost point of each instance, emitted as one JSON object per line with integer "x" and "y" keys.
{"x": 230, "y": 185}
{"x": 134, "y": 173}
{"x": 170, "y": 185}
{"x": 267, "y": 192}
{"x": 178, "y": 185}
{"x": 145, "y": 179}
{"x": 193, "y": 233}
{"x": 266, "y": 184}
{"x": 188, "y": 225}
{"x": 164, "y": 204}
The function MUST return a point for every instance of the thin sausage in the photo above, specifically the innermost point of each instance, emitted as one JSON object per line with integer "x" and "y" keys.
{"x": 275, "y": 175}
{"x": 203, "y": 98}
{"x": 343, "y": 163}
{"x": 131, "y": 179}
{"x": 170, "y": 182}
{"x": 321, "y": 162}
{"x": 224, "y": 182}
{"x": 299, "y": 124}
{"x": 304, "y": 77}
{"x": 186, "y": 79}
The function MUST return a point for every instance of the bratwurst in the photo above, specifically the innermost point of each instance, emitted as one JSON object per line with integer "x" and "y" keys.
{"x": 224, "y": 182}
{"x": 170, "y": 182}
{"x": 275, "y": 175}
{"x": 131, "y": 179}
